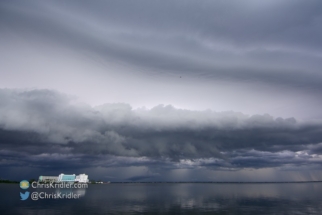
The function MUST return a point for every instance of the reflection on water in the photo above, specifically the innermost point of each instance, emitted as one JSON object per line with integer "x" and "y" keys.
{"x": 297, "y": 198}
{"x": 79, "y": 192}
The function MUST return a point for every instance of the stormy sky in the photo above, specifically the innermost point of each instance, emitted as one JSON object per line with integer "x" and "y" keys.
{"x": 161, "y": 90}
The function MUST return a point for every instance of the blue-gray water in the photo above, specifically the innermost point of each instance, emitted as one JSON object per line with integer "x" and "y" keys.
{"x": 295, "y": 198}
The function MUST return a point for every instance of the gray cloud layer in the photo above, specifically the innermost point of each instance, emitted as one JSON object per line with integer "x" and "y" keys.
{"x": 238, "y": 40}
{"x": 251, "y": 57}
{"x": 266, "y": 52}
{"x": 47, "y": 126}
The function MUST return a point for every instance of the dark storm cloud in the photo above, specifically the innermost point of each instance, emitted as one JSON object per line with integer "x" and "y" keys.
{"x": 265, "y": 55}
{"x": 47, "y": 126}
{"x": 269, "y": 41}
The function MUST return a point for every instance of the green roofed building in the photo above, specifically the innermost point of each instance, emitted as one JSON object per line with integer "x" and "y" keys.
{"x": 66, "y": 178}
{"x": 48, "y": 179}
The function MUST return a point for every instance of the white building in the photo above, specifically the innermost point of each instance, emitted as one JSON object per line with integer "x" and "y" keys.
{"x": 81, "y": 178}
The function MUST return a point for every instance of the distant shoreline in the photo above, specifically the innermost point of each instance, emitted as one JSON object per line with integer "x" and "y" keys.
{"x": 190, "y": 182}
{"x": 8, "y": 182}
{"x": 217, "y": 182}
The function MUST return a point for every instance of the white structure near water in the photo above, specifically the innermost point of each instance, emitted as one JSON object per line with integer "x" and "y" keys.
{"x": 62, "y": 178}
{"x": 81, "y": 178}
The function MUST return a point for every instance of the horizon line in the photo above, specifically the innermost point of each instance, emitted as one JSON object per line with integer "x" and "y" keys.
{"x": 218, "y": 182}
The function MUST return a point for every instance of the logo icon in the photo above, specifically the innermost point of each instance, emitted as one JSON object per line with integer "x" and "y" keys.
{"x": 24, "y": 196}
{"x": 24, "y": 184}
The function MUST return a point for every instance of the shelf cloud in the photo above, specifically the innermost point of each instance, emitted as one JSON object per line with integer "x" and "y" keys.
{"x": 177, "y": 88}
{"x": 44, "y": 126}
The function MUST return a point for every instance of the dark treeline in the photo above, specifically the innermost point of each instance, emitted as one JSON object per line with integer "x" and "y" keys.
{"x": 8, "y": 181}
{"x": 211, "y": 182}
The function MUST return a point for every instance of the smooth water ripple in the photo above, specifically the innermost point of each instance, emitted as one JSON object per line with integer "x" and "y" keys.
{"x": 293, "y": 198}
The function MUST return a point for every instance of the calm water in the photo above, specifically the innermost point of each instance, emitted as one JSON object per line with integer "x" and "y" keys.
{"x": 298, "y": 198}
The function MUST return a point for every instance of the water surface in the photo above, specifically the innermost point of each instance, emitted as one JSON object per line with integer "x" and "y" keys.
{"x": 294, "y": 198}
